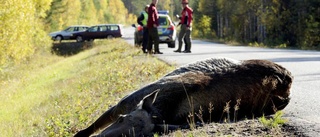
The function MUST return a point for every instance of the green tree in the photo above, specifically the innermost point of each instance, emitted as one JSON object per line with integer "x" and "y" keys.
{"x": 294, "y": 23}
{"x": 54, "y": 17}
{"x": 72, "y": 12}
{"x": 88, "y": 15}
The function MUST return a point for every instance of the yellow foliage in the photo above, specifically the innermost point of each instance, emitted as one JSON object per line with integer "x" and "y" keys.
{"x": 203, "y": 27}
{"x": 19, "y": 28}
{"x": 119, "y": 16}
{"x": 72, "y": 13}
{"x": 17, "y": 17}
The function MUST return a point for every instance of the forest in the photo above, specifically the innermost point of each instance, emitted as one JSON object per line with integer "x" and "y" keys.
{"x": 290, "y": 23}
{"x": 286, "y": 23}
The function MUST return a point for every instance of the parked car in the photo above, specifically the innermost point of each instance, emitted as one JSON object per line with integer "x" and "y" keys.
{"x": 67, "y": 33}
{"x": 99, "y": 32}
{"x": 166, "y": 30}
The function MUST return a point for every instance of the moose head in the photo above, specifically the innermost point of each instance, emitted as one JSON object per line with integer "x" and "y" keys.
{"x": 137, "y": 123}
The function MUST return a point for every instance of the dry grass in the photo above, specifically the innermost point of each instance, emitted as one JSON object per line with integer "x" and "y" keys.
{"x": 274, "y": 125}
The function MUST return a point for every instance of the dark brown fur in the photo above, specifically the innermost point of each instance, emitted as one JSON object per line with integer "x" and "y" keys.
{"x": 262, "y": 86}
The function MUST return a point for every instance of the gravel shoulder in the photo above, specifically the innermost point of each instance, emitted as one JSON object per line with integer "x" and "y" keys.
{"x": 242, "y": 128}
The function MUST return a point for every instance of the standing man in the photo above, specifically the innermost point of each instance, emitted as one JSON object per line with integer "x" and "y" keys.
{"x": 142, "y": 21}
{"x": 152, "y": 25}
{"x": 186, "y": 24}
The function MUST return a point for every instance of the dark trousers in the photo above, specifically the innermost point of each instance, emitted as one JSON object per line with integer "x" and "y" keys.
{"x": 186, "y": 35}
{"x": 145, "y": 38}
{"x": 153, "y": 39}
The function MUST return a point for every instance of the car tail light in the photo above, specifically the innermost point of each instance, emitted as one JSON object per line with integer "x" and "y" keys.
{"x": 171, "y": 27}
{"x": 140, "y": 28}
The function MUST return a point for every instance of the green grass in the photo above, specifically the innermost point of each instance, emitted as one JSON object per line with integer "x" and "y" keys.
{"x": 275, "y": 122}
{"x": 51, "y": 95}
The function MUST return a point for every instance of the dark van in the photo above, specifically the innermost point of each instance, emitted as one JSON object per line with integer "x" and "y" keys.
{"x": 99, "y": 32}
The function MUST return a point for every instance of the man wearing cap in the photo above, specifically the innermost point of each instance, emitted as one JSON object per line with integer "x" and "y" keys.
{"x": 186, "y": 23}
{"x": 142, "y": 21}
{"x": 152, "y": 25}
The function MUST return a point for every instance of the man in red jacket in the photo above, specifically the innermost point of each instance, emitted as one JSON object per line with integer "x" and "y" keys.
{"x": 186, "y": 23}
{"x": 152, "y": 25}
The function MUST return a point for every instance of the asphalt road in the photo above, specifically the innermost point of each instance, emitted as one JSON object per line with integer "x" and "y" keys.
{"x": 303, "y": 110}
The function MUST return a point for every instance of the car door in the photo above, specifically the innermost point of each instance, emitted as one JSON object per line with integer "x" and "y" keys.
{"x": 102, "y": 32}
{"x": 91, "y": 33}
{"x": 67, "y": 32}
{"x": 114, "y": 31}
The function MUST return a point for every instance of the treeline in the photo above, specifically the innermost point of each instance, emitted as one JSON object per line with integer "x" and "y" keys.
{"x": 173, "y": 6}
{"x": 86, "y": 12}
{"x": 25, "y": 24}
{"x": 290, "y": 23}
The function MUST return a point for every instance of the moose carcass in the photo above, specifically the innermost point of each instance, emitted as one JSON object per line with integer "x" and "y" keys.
{"x": 256, "y": 87}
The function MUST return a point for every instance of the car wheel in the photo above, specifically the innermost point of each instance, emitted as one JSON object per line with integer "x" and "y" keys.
{"x": 109, "y": 36}
{"x": 79, "y": 39}
{"x": 58, "y": 38}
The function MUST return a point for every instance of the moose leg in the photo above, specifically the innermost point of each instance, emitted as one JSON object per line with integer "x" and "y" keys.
{"x": 103, "y": 121}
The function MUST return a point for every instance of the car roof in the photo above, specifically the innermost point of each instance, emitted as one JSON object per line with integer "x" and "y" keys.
{"x": 78, "y": 26}
{"x": 165, "y": 15}
{"x": 162, "y": 14}
{"x": 107, "y": 24}
{"x": 166, "y": 12}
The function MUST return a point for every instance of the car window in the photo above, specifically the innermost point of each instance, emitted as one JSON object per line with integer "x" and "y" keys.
{"x": 70, "y": 29}
{"x": 103, "y": 28}
{"x": 113, "y": 28}
{"x": 163, "y": 20}
{"x": 82, "y": 28}
{"x": 93, "y": 29}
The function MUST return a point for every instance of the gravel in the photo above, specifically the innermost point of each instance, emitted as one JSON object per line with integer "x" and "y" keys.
{"x": 242, "y": 128}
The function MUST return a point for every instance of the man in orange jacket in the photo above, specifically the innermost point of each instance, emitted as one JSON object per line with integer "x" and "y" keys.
{"x": 186, "y": 24}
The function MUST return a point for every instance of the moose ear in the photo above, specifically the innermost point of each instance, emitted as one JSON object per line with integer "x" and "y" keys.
{"x": 148, "y": 100}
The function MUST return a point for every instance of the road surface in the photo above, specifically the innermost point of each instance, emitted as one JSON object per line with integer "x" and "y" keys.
{"x": 303, "y": 110}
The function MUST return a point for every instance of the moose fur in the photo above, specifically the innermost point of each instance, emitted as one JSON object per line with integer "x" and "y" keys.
{"x": 255, "y": 87}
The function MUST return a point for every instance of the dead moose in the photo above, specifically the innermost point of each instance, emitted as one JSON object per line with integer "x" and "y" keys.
{"x": 262, "y": 86}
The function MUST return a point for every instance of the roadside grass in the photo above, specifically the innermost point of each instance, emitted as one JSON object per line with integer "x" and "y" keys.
{"x": 263, "y": 126}
{"x": 275, "y": 122}
{"x": 50, "y": 95}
